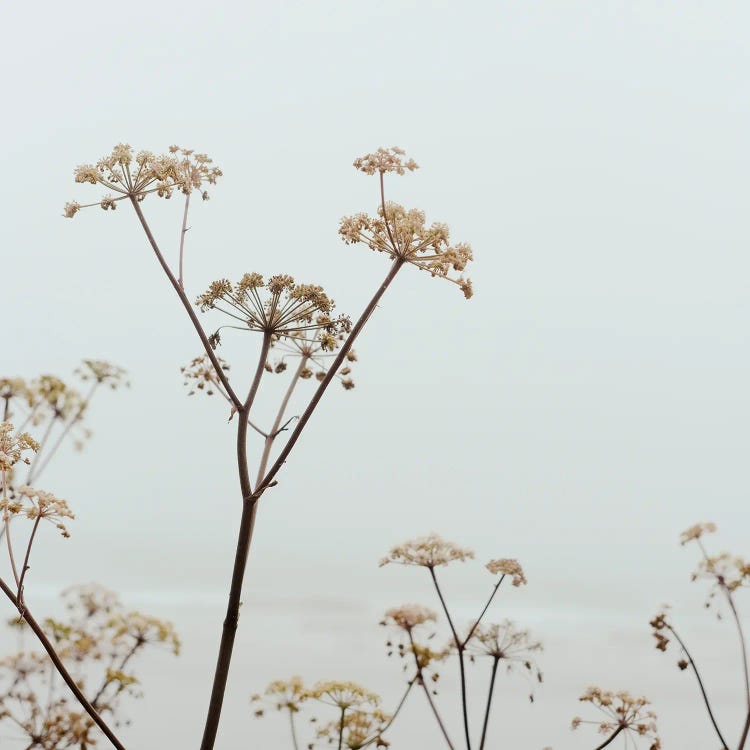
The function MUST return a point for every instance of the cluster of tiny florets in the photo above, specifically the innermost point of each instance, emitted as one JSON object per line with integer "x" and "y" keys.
{"x": 623, "y": 712}
{"x": 696, "y": 531}
{"x": 313, "y": 348}
{"x": 408, "y": 616}
{"x": 200, "y": 375}
{"x": 385, "y": 160}
{"x": 103, "y": 372}
{"x": 38, "y": 504}
{"x": 287, "y": 308}
{"x": 343, "y": 694}
{"x": 507, "y": 567}
{"x": 136, "y": 175}
{"x": 14, "y": 447}
{"x": 403, "y": 235}
{"x": 428, "y": 551}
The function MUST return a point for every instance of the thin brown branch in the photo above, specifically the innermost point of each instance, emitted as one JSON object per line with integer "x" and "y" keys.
{"x": 495, "y": 663}
{"x": 180, "y": 278}
{"x": 25, "y": 565}
{"x": 274, "y": 431}
{"x": 287, "y": 449}
{"x": 611, "y": 738}
{"x": 186, "y": 304}
{"x": 484, "y": 611}
{"x": 706, "y": 701}
{"x": 460, "y": 647}
{"x": 247, "y": 524}
{"x": 743, "y": 644}
{"x": 69, "y": 681}
{"x": 398, "y": 708}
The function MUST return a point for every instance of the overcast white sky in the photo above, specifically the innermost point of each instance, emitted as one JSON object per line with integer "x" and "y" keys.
{"x": 588, "y": 404}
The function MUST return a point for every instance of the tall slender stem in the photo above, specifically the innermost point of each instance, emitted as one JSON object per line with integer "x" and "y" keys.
{"x": 247, "y": 524}
{"x": 489, "y": 703}
{"x": 182, "y": 239}
{"x": 294, "y": 729}
{"x": 287, "y": 449}
{"x": 69, "y": 681}
{"x": 706, "y": 701}
{"x": 186, "y": 304}
{"x": 25, "y": 565}
{"x": 460, "y": 647}
{"x": 745, "y": 730}
{"x": 743, "y": 645}
{"x": 341, "y": 728}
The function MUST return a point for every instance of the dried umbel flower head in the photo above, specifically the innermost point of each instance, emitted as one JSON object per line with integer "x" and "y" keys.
{"x": 508, "y": 644}
{"x": 52, "y": 394}
{"x": 200, "y": 375}
{"x": 286, "y": 694}
{"x": 403, "y": 235}
{"x": 428, "y": 552}
{"x": 99, "y": 371}
{"x": 285, "y": 308}
{"x": 408, "y": 616}
{"x": 38, "y": 504}
{"x": 14, "y": 448}
{"x": 623, "y": 713}
{"x": 87, "y": 601}
{"x": 356, "y": 729}
{"x": 385, "y": 160}
{"x": 726, "y": 570}
{"x": 507, "y": 567}
{"x": 313, "y": 348}
{"x": 344, "y": 695}
{"x": 130, "y": 175}
{"x": 135, "y": 626}
{"x": 695, "y": 532}
{"x": 15, "y": 389}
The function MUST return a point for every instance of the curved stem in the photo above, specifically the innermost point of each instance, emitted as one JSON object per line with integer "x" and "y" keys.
{"x": 69, "y": 681}
{"x": 294, "y": 729}
{"x": 287, "y": 449}
{"x": 460, "y": 646}
{"x": 188, "y": 307}
{"x": 700, "y": 685}
{"x": 182, "y": 239}
{"x": 743, "y": 645}
{"x": 390, "y": 721}
{"x": 247, "y": 524}
{"x": 611, "y": 738}
{"x": 489, "y": 703}
{"x": 745, "y": 730}
{"x": 25, "y": 565}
